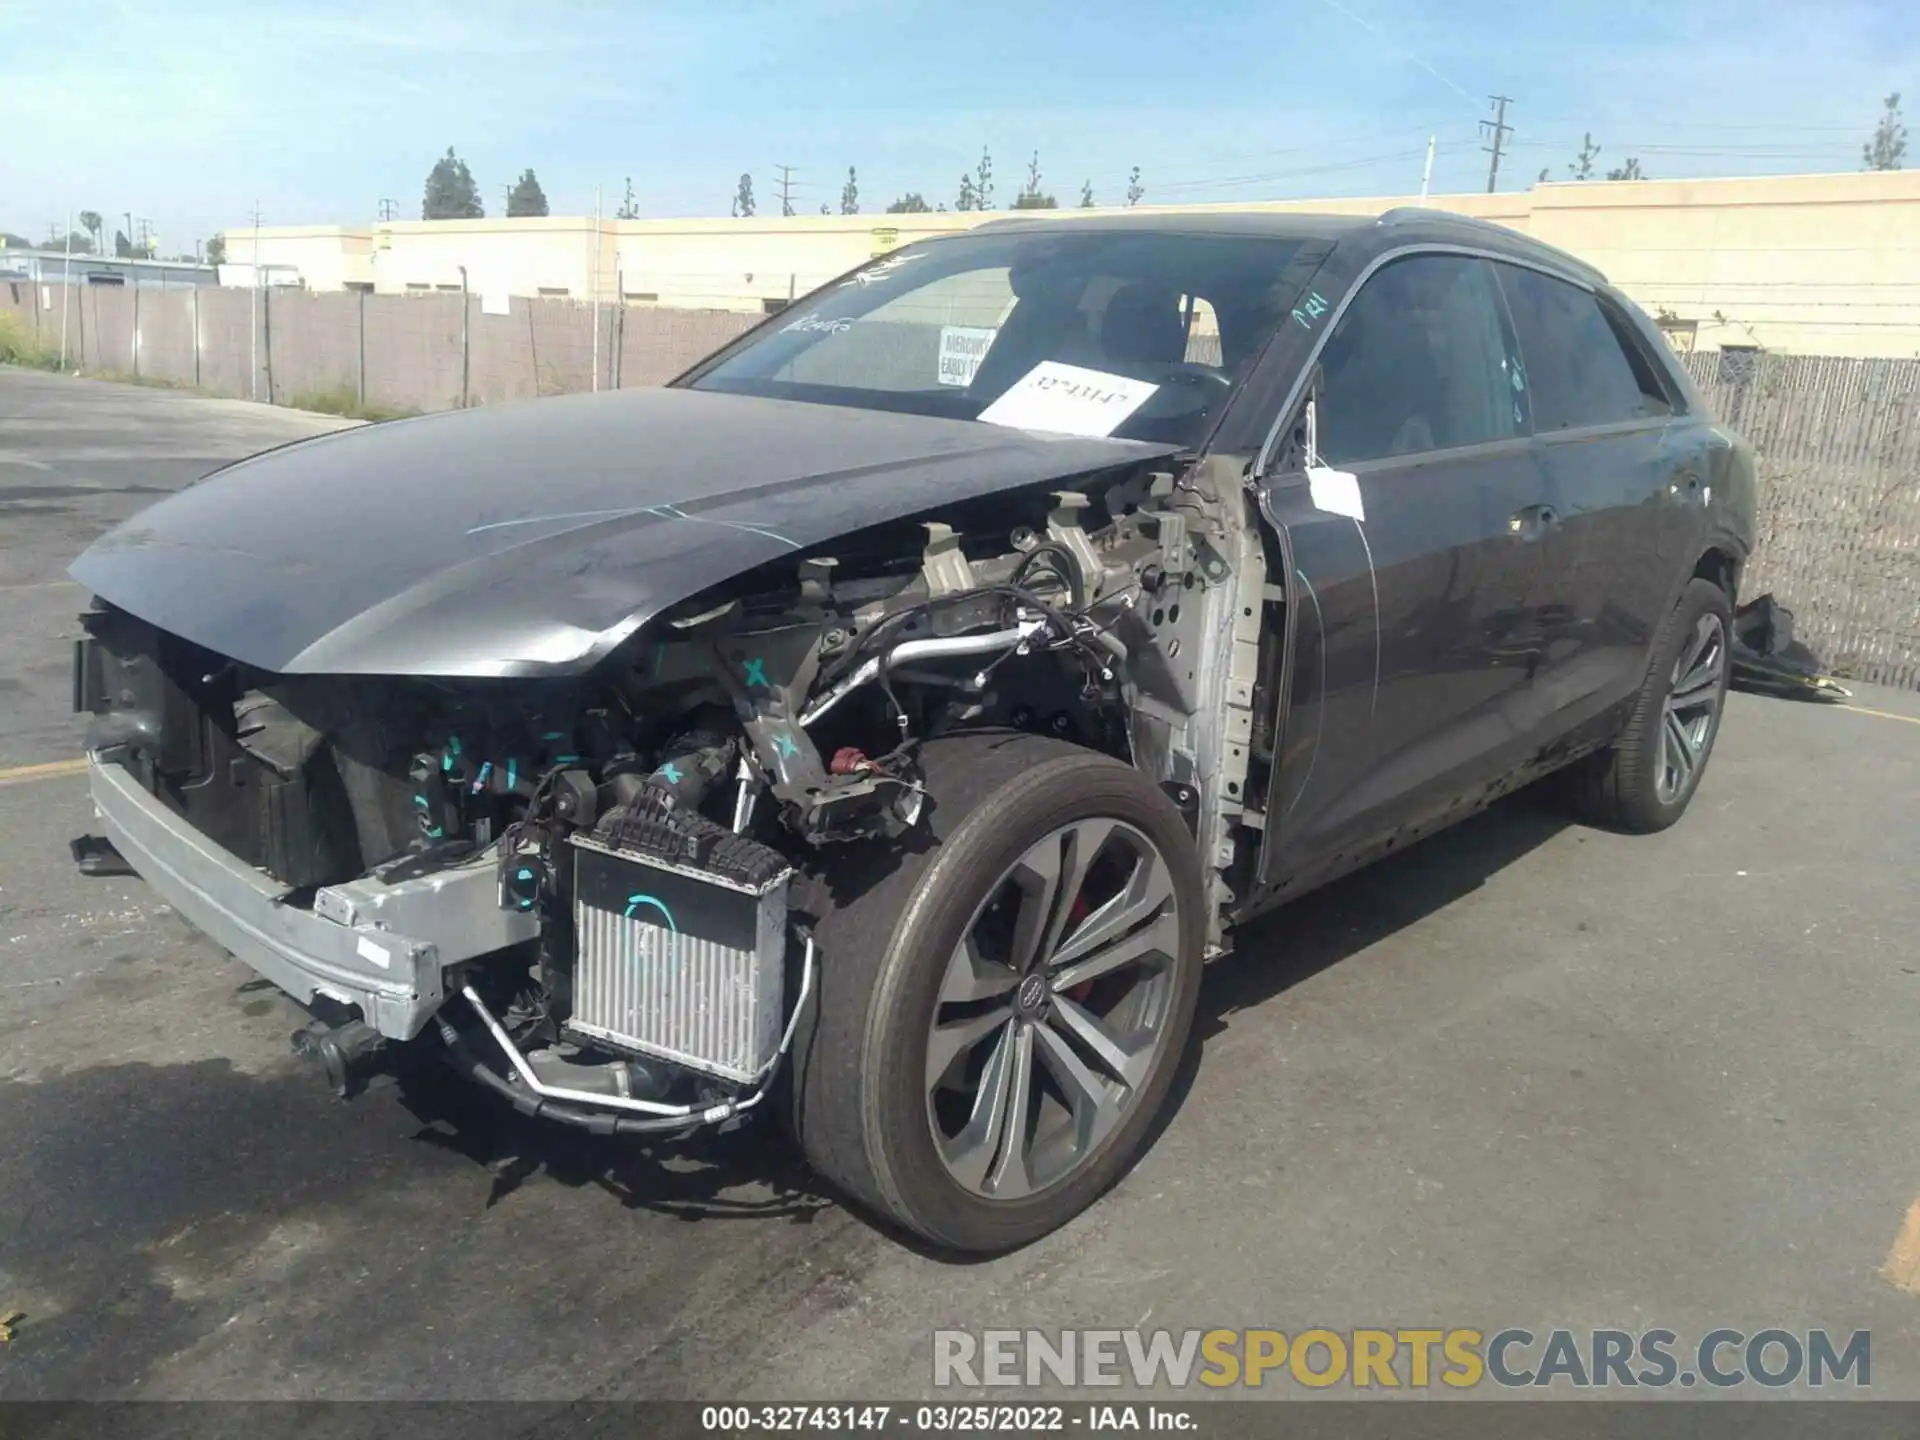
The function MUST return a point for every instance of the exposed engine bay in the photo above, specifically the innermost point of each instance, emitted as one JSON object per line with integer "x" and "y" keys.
{"x": 643, "y": 828}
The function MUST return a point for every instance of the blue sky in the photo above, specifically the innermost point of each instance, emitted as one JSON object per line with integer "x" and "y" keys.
{"x": 186, "y": 114}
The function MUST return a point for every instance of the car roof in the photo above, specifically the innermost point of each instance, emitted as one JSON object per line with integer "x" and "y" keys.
{"x": 1404, "y": 225}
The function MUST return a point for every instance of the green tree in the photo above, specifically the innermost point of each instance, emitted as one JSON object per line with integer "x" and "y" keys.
{"x": 1628, "y": 171}
{"x": 743, "y": 197}
{"x": 850, "y": 194}
{"x": 92, "y": 222}
{"x": 1031, "y": 196}
{"x": 983, "y": 181}
{"x": 968, "y": 198}
{"x": 122, "y": 246}
{"x": 1581, "y": 166}
{"x": 217, "y": 250}
{"x": 450, "y": 192}
{"x": 1134, "y": 190}
{"x": 1887, "y": 150}
{"x": 11, "y": 241}
{"x": 526, "y": 197}
{"x": 1086, "y": 194}
{"x": 629, "y": 207}
{"x": 911, "y": 203}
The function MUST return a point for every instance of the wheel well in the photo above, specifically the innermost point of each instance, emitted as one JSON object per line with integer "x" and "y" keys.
{"x": 1723, "y": 569}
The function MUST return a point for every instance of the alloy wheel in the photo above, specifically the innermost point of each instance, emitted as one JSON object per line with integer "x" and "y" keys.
{"x": 1053, "y": 1009}
{"x": 1692, "y": 709}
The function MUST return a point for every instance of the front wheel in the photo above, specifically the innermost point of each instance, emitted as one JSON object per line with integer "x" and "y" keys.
{"x": 1645, "y": 781}
{"x": 1000, "y": 1014}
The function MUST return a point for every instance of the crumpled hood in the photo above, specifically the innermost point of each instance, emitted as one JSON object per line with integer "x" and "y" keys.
{"x": 532, "y": 538}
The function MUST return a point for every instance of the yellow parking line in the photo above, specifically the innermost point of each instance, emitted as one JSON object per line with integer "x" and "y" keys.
{"x": 1883, "y": 714}
{"x": 1902, "y": 1267}
{"x": 20, "y": 774}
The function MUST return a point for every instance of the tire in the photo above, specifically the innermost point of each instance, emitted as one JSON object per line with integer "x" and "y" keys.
{"x": 1633, "y": 785}
{"x": 890, "y": 919}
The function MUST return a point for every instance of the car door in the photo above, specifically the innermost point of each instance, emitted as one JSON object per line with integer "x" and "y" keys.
{"x": 1621, "y": 475}
{"x": 1416, "y": 628}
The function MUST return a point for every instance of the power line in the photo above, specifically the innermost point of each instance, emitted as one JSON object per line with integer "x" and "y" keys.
{"x": 1499, "y": 129}
{"x": 786, "y": 188}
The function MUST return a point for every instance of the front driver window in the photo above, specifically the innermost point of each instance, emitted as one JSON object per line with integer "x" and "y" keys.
{"x": 1418, "y": 362}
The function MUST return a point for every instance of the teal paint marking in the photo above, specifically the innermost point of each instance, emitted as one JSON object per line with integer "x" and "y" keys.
{"x": 513, "y": 773}
{"x": 757, "y": 674}
{"x": 784, "y": 745}
{"x": 421, "y": 801}
{"x": 672, "y": 772}
{"x": 1310, "y": 309}
{"x": 635, "y": 902}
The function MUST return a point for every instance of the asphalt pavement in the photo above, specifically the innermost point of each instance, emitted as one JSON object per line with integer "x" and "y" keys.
{"x": 1521, "y": 1074}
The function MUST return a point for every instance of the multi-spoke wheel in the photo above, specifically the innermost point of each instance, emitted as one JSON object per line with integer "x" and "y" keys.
{"x": 1645, "y": 781}
{"x": 1001, "y": 1015}
{"x": 1692, "y": 707}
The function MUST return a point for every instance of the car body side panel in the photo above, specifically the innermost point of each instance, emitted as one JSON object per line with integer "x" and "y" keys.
{"x": 1416, "y": 635}
{"x": 1630, "y": 519}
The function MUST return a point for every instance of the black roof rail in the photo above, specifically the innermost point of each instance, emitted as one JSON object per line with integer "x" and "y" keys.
{"x": 1402, "y": 214}
{"x": 1423, "y": 214}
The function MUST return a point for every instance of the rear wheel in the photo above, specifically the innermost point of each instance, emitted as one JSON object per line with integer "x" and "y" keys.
{"x": 1646, "y": 780}
{"x": 1002, "y": 1011}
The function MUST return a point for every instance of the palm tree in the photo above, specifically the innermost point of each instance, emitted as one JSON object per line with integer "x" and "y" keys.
{"x": 92, "y": 223}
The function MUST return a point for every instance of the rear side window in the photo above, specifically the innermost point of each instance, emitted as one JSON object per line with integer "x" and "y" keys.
{"x": 1578, "y": 368}
{"x": 1418, "y": 362}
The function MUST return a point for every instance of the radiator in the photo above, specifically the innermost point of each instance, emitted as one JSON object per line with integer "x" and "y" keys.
{"x": 677, "y": 962}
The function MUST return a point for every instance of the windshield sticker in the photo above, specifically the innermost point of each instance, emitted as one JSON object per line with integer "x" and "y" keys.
{"x": 1069, "y": 400}
{"x": 818, "y": 323}
{"x": 880, "y": 269}
{"x": 962, "y": 348}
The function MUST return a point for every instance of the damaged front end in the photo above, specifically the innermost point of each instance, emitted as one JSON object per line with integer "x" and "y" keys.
{"x": 608, "y": 871}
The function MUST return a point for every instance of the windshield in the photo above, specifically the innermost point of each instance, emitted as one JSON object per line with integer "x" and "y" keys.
{"x": 1136, "y": 334}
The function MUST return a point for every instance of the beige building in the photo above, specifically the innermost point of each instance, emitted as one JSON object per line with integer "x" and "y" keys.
{"x": 1808, "y": 264}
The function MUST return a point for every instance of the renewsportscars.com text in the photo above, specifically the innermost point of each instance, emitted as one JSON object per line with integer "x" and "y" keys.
{"x": 1401, "y": 1358}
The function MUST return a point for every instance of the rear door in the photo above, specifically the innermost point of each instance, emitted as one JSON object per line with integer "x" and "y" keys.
{"x": 1627, "y": 486}
{"x": 1417, "y": 628}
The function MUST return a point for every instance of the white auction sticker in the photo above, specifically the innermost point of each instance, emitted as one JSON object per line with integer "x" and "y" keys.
{"x": 962, "y": 348}
{"x": 1069, "y": 400}
{"x": 1335, "y": 491}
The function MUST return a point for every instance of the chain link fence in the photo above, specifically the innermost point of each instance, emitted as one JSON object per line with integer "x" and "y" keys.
{"x": 1838, "y": 439}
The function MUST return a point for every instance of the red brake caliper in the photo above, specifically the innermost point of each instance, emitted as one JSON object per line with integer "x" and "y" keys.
{"x": 1075, "y": 914}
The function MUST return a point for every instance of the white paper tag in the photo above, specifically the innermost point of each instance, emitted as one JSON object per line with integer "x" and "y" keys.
{"x": 1069, "y": 400}
{"x": 962, "y": 348}
{"x": 1335, "y": 491}
{"x": 378, "y": 954}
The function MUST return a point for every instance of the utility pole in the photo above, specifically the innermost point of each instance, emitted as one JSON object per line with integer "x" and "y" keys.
{"x": 1426, "y": 175}
{"x": 253, "y": 308}
{"x": 786, "y": 188}
{"x": 387, "y": 209}
{"x": 1499, "y": 130}
{"x": 66, "y": 292}
{"x": 596, "y": 289}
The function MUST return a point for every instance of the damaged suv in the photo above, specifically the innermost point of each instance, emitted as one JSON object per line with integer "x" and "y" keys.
{"x": 881, "y": 725}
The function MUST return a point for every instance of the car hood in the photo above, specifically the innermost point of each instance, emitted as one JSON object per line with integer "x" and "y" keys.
{"x": 532, "y": 538}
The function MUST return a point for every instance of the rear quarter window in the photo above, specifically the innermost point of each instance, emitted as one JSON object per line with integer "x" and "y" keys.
{"x": 1579, "y": 369}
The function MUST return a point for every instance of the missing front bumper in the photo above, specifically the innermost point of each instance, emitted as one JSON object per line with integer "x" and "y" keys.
{"x": 383, "y": 951}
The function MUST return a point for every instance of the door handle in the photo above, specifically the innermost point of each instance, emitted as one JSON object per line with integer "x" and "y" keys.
{"x": 1530, "y": 522}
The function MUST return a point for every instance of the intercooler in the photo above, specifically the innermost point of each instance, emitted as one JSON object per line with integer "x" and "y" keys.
{"x": 678, "y": 962}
